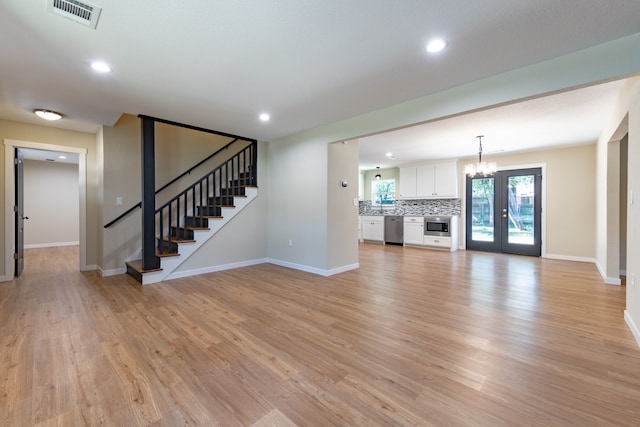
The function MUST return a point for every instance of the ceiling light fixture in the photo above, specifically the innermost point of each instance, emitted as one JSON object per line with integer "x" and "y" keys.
{"x": 480, "y": 168}
{"x": 265, "y": 117}
{"x": 100, "y": 66}
{"x": 47, "y": 114}
{"x": 378, "y": 176}
{"x": 436, "y": 45}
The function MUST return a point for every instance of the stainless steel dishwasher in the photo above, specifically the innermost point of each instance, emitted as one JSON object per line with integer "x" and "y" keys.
{"x": 394, "y": 229}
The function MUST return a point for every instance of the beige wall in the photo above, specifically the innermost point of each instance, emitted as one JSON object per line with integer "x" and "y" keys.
{"x": 298, "y": 163}
{"x": 51, "y": 201}
{"x": 632, "y": 313}
{"x": 625, "y": 117}
{"x": 297, "y": 204}
{"x": 10, "y": 130}
{"x": 387, "y": 173}
{"x": 569, "y": 189}
{"x": 176, "y": 150}
{"x": 244, "y": 239}
{"x": 343, "y": 224}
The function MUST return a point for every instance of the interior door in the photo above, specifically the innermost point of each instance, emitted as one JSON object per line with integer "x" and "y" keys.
{"x": 19, "y": 212}
{"x": 504, "y": 212}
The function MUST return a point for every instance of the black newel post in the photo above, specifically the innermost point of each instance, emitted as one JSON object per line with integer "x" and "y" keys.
{"x": 149, "y": 259}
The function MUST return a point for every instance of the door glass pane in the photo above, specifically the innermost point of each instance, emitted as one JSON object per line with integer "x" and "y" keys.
{"x": 482, "y": 212}
{"x": 521, "y": 203}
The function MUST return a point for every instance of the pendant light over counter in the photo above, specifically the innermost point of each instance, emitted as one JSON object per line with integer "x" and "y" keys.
{"x": 378, "y": 176}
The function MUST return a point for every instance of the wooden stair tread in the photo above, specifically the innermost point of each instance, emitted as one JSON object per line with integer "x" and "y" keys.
{"x": 137, "y": 266}
{"x": 174, "y": 240}
{"x": 190, "y": 228}
{"x": 166, "y": 254}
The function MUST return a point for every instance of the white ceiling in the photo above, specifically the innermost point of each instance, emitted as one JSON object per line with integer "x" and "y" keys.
{"x": 569, "y": 118}
{"x": 218, "y": 64}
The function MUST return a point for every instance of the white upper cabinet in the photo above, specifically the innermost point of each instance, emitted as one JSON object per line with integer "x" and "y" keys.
{"x": 430, "y": 181}
{"x": 408, "y": 183}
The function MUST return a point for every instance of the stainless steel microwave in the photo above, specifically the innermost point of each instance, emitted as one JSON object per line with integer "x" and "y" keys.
{"x": 437, "y": 226}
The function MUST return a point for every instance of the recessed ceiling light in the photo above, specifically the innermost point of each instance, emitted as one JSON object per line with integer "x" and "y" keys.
{"x": 62, "y": 157}
{"x": 100, "y": 66}
{"x": 47, "y": 114}
{"x": 389, "y": 154}
{"x": 265, "y": 117}
{"x": 436, "y": 45}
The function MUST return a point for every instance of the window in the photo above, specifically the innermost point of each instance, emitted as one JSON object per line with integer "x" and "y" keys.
{"x": 383, "y": 192}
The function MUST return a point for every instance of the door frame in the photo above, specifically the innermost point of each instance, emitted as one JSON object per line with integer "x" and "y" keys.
{"x": 9, "y": 198}
{"x": 543, "y": 205}
{"x": 18, "y": 173}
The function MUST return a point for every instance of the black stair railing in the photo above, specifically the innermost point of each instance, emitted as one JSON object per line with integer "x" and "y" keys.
{"x": 204, "y": 198}
{"x": 174, "y": 180}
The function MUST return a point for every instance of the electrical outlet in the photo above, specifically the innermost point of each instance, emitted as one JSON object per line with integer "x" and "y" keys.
{"x": 290, "y": 243}
{"x": 633, "y": 280}
{"x": 119, "y": 201}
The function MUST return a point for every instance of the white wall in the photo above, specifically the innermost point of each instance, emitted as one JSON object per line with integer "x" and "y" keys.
{"x": 51, "y": 201}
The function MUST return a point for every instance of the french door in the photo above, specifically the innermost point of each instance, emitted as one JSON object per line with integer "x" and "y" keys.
{"x": 503, "y": 212}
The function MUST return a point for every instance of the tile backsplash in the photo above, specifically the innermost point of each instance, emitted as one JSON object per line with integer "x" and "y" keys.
{"x": 414, "y": 207}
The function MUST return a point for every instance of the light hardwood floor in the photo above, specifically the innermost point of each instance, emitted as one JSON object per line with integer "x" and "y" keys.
{"x": 413, "y": 337}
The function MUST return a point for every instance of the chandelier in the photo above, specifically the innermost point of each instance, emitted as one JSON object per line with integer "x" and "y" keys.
{"x": 480, "y": 168}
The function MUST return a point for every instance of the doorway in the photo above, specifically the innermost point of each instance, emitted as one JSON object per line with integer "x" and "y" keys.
{"x": 10, "y": 241}
{"x": 504, "y": 211}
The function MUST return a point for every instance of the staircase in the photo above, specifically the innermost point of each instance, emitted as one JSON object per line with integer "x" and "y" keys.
{"x": 185, "y": 240}
{"x": 187, "y": 221}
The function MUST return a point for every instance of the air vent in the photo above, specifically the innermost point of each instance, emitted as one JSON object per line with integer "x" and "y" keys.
{"x": 81, "y": 12}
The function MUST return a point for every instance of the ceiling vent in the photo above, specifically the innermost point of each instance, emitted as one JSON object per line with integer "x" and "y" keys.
{"x": 81, "y": 12}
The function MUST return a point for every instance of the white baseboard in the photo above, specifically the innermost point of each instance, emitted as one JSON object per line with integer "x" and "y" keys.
{"x": 570, "y": 258}
{"x": 50, "y": 245}
{"x": 342, "y": 269}
{"x": 112, "y": 272}
{"x": 313, "y": 270}
{"x": 213, "y": 269}
{"x": 90, "y": 267}
{"x": 607, "y": 280}
{"x": 5, "y": 278}
{"x": 632, "y": 326}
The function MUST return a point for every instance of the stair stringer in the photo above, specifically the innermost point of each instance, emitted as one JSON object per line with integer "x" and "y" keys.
{"x": 170, "y": 264}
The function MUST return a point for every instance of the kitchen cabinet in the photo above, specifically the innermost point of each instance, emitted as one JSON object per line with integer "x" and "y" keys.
{"x": 372, "y": 228}
{"x": 413, "y": 230}
{"x": 408, "y": 183}
{"x": 429, "y": 181}
{"x": 438, "y": 242}
{"x": 414, "y": 234}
